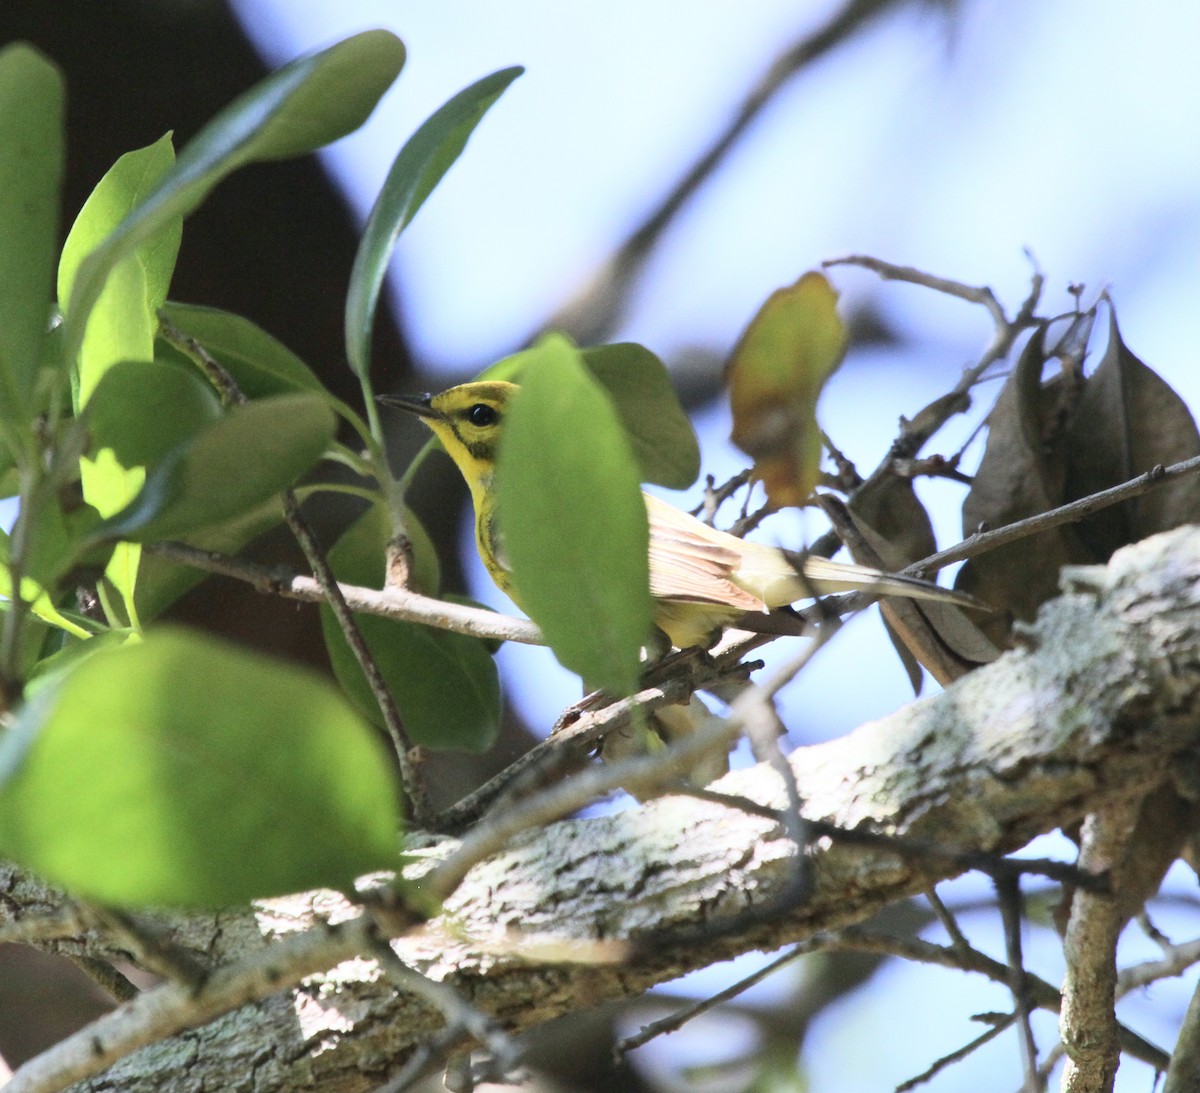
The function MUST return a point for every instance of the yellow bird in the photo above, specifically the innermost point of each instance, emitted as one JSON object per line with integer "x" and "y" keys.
{"x": 702, "y": 579}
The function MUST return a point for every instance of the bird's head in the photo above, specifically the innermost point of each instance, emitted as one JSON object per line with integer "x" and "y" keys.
{"x": 467, "y": 420}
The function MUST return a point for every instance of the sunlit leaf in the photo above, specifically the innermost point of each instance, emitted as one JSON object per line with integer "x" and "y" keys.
{"x": 791, "y": 347}
{"x": 123, "y": 320}
{"x": 185, "y": 771}
{"x": 306, "y": 104}
{"x": 573, "y": 519}
{"x": 639, "y": 387}
{"x": 31, "y": 165}
{"x": 424, "y": 159}
{"x": 227, "y": 468}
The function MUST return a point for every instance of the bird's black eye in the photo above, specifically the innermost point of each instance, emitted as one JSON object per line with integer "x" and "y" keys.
{"x": 482, "y": 414}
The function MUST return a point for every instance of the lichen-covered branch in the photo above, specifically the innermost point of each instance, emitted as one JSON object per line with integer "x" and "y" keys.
{"x": 1102, "y": 701}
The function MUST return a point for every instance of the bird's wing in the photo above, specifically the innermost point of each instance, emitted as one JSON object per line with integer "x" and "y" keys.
{"x": 691, "y": 563}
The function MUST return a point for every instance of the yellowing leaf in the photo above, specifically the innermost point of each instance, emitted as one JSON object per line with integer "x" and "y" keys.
{"x": 775, "y": 375}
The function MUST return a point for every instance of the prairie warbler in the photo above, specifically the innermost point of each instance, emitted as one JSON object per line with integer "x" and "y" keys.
{"x": 702, "y": 579}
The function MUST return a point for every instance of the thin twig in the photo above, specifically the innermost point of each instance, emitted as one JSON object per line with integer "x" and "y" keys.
{"x": 1178, "y": 960}
{"x": 392, "y": 603}
{"x": 679, "y": 1018}
{"x": 888, "y": 271}
{"x": 1040, "y": 993}
{"x": 949, "y": 923}
{"x": 1008, "y": 892}
{"x": 593, "y": 312}
{"x": 690, "y": 671}
{"x": 956, "y": 1056}
{"x": 460, "y": 1015}
{"x": 915, "y": 432}
{"x": 983, "y": 541}
{"x": 410, "y": 778}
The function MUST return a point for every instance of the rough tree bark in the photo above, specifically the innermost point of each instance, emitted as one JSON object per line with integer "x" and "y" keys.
{"x": 1101, "y": 703}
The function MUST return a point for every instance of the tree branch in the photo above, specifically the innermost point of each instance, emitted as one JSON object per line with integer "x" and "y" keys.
{"x": 1103, "y": 702}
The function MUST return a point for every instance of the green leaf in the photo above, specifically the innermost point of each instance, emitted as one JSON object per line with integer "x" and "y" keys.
{"x": 143, "y": 409}
{"x": 639, "y": 387}
{"x": 123, "y": 321}
{"x": 261, "y": 364}
{"x": 574, "y": 522}
{"x": 227, "y": 468}
{"x": 31, "y": 165}
{"x": 185, "y": 771}
{"x": 445, "y": 685}
{"x": 776, "y": 372}
{"x": 660, "y": 433}
{"x": 161, "y": 582}
{"x": 306, "y": 104}
{"x": 47, "y": 553}
{"x": 424, "y": 159}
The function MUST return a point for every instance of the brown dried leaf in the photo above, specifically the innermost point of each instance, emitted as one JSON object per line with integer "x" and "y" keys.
{"x": 775, "y": 376}
{"x": 915, "y": 636}
{"x": 1022, "y": 473}
{"x": 940, "y": 637}
{"x": 1127, "y": 421}
{"x": 893, "y": 521}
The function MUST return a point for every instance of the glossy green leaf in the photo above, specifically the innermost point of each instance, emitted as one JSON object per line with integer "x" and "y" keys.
{"x": 31, "y": 165}
{"x": 227, "y": 468}
{"x": 776, "y": 373}
{"x": 639, "y": 388}
{"x": 425, "y": 158}
{"x": 260, "y": 364}
{"x": 660, "y": 433}
{"x": 306, "y": 104}
{"x": 445, "y": 685}
{"x": 185, "y": 771}
{"x": 123, "y": 320}
{"x": 143, "y": 409}
{"x": 53, "y": 538}
{"x": 573, "y": 518}
{"x": 39, "y": 601}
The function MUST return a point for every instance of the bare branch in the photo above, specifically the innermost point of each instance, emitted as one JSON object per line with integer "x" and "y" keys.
{"x": 1183, "y": 1075}
{"x": 391, "y": 603}
{"x": 1088, "y": 1024}
{"x": 956, "y": 770}
{"x": 600, "y": 306}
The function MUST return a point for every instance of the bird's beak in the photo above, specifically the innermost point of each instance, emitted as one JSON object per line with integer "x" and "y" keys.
{"x": 421, "y": 405}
